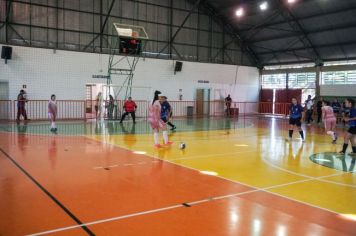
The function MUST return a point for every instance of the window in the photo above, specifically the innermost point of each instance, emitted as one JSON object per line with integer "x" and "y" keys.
{"x": 274, "y": 81}
{"x": 339, "y": 77}
{"x": 301, "y": 80}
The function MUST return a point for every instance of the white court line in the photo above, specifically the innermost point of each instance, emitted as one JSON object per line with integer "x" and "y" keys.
{"x": 126, "y": 164}
{"x": 196, "y": 202}
{"x": 209, "y": 155}
{"x": 191, "y": 168}
{"x": 98, "y": 167}
{"x": 311, "y": 177}
{"x": 181, "y": 205}
{"x": 107, "y": 220}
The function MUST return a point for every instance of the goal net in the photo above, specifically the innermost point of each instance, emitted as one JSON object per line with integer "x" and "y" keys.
{"x": 114, "y": 96}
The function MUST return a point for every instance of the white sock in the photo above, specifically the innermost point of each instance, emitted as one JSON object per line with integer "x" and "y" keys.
{"x": 53, "y": 125}
{"x": 156, "y": 138}
{"x": 165, "y": 136}
{"x": 331, "y": 134}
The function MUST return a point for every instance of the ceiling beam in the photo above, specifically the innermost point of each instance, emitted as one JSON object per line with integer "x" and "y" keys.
{"x": 303, "y": 48}
{"x": 296, "y": 34}
{"x": 309, "y": 61}
{"x": 300, "y": 18}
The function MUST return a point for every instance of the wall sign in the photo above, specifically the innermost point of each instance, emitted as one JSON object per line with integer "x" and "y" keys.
{"x": 100, "y": 76}
{"x": 203, "y": 81}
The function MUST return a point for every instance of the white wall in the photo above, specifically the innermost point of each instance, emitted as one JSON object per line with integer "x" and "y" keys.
{"x": 342, "y": 90}
{"x": 66, "y": 73}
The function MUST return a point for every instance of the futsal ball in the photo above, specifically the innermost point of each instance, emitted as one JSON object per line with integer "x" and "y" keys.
{"x": 182, "y": 146}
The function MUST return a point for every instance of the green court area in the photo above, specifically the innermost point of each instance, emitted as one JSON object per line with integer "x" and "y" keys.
{"x": 338, "y": 161}
{"x": 107, "y": 127}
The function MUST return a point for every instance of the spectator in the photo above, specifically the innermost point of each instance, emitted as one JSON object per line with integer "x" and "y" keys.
{"x": 228, "y": 102}
{"x": 98, "y": 105}
{"x": 309, "y": 109}
{"x": 111, "y": 107}
{"x": 52, "y": 112}
{"x": 21, "y": 101}
{"x": 130, "y": 108}
{"x": 336, "y": 106}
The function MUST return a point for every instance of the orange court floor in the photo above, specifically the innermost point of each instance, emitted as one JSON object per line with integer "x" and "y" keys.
{"x": 235, "y": 177}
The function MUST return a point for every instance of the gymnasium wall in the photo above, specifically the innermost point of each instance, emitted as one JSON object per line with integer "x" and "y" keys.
{"x": 338, "y": 90}
{"x": 65, "y": 73}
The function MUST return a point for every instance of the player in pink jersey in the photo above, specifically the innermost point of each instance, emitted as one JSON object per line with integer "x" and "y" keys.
{"x": 154, "y": 118}
{"x": 329, "y": 120}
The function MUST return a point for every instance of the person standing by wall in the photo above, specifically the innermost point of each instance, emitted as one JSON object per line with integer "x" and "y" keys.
{"x": 21, "y": 102}
{"x": 228, "y": 102}
{"x": 111, "y": 106}
{"x": 336, "y": 107}
{"x": 52, "y": 112}
{"x": 319, "y": 105}
{"x": 309, "y": 109}
{"x": 130, "y": 108}
{"x": 97, "y": 106}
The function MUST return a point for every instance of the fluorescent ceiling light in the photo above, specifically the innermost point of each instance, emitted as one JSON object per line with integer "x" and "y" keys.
{"x": 264, "y": 6}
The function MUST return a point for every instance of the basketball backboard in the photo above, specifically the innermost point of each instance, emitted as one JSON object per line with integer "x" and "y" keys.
{"x": 130, "y": 31}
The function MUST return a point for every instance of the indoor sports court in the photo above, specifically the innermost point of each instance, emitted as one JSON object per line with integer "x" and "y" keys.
{"x": 186, "y": 117}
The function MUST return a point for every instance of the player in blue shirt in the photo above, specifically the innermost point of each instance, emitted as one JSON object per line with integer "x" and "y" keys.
{"x": 166, "y": 112}
{"x": 296, "y": 114}
{"x": 351, "y": 133}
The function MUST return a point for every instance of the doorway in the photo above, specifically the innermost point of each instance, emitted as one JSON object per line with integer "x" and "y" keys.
{"x": 202, "y": 101}
{"x": 5, "y": 105}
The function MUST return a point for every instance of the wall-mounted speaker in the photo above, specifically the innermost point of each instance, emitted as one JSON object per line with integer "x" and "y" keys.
{"x": 178, "y": 66}
{"x": 6, "y": 52}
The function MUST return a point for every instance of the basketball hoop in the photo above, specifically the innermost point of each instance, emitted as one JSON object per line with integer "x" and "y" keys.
{"x": 130, "y": 31}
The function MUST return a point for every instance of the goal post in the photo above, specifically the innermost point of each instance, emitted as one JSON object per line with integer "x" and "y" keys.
{"x": 119, "y": 93}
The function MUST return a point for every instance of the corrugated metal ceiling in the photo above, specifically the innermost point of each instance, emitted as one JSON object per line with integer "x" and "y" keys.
{"x": 306, "y": 31}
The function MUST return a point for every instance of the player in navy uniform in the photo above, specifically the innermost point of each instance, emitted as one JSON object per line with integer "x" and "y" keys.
{"x": 351, "y": 133}
{"x": 295, "y": 118}
{"x": 166, "y": 111}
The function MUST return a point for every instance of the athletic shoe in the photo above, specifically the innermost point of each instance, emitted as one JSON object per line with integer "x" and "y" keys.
{"x": 342, "y": 152}
{"x": 334, "y": 141}
{"x": 303, "y": 140}
{"x": 352, "y": 153}
{"x": 169, "y": 143}
{"x": 158, "y": 146}
{"x": 288, "y": 139}
{"x": 173, "y": 128}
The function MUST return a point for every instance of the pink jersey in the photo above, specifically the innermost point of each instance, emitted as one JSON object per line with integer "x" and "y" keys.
{"x": 328, "y": 112}
{"x": 154, "y": 115}
{"x": 52, "y": 107}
